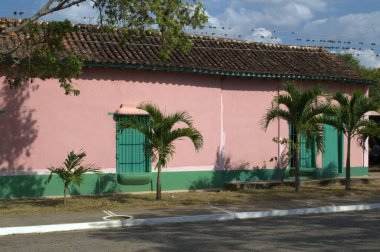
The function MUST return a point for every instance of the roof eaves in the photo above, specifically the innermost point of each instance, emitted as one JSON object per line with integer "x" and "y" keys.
{"x": 231, "y": 74}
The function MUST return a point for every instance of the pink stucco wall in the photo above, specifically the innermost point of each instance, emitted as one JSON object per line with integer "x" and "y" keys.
{"x": 244, "y": 102}
{"x": 42, "y": 124}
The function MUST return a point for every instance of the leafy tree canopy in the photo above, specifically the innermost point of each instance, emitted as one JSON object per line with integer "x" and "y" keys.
{"x": 370, "y": 73}
{"x": 42, "y": 54}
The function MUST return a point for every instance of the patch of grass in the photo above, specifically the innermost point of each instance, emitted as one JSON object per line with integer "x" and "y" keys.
{"x": 180, "y": 199}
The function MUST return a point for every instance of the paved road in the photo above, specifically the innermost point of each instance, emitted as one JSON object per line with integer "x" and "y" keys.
{"x": 334, "y": 232}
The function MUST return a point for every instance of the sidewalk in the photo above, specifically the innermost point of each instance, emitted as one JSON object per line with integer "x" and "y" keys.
{"x": 97, "y": 216}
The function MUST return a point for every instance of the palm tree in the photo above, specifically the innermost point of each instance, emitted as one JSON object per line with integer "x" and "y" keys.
{"x": 161, "y": 133}
{"x": 349, "y": 119}
{"x": 72, "y": 171}
{"x": 303, "y": 110}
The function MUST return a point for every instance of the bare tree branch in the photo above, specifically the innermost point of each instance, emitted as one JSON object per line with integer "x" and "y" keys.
{"x": 68, "y": 5}
{"x": 45, "y": 10}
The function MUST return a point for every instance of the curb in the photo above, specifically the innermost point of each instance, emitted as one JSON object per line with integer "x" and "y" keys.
{"x": 182, "y": 219}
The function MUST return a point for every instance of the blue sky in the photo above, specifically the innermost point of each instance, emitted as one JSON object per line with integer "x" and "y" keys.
{"x": 353, "y": 23}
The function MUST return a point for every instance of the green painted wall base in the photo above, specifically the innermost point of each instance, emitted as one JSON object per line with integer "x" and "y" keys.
{"x": 332, "y": 173}
{"x": 36, "y": 185}
{"x": 26, "y": 186}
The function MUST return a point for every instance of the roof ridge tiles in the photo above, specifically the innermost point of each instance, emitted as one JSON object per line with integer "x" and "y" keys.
{"x": 209, "y": 55}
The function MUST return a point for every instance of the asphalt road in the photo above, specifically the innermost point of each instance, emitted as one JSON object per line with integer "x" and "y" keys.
{"x": 355, "y": 231}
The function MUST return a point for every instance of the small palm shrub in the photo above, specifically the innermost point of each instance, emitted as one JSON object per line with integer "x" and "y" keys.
{"x": 72, "y": 171}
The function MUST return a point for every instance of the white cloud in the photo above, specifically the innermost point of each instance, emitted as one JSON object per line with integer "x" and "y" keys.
{"x": 370, "y": 60}
{"x": 318, "y": 5}
{"x": 264, "y": 35}
{"x": 360, "y": 25}
{"x": 285, "y": 16}
{"x": 218, "y": 28}
{"x": 279, "y": 13}
{"x": 319, "y": 22}
{"x": 244, "y": 17}
{"x": 360, "y": 29}
{"x": 367, "y": 58}
{"x": 213, "y": 21}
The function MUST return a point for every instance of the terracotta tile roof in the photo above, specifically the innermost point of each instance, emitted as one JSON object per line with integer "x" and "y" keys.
{"x": 208, "y": 56}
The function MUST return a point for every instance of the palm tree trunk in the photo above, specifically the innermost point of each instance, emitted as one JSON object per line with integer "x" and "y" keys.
{"x": 158, "y": 191}
{"x": 348, "y": 164}
{"x": 297, "y": 171}
{"x": 64, "y": 194}
{"x": 297, "y": 179}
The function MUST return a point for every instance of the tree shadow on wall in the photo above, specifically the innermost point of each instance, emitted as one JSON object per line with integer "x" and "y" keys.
{"x": 105, "y": 184}
{"x": 330, "y": 171}
{"x": 21, "y": 186}
{"x": 225, "y": 170}
{"x": 18, "y": 130}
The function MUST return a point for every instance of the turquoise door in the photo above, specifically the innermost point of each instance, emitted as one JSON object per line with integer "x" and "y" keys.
{"x": 332, "y": 157}
{"x": 130, "y": 148}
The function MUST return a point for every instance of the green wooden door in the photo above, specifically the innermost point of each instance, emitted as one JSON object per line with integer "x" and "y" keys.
{"x": 332, "y": 157}
{"x": 130, "y": 147}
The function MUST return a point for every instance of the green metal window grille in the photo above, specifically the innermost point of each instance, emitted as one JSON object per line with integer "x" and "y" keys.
{"x": 307, "y": 155}
{"x": 131, "y": 156}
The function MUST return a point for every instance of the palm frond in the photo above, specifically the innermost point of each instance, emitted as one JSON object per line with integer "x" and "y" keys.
{"x": 357, "y": 95}
{"x": 179, "y": 117}
{"x": 72, "y": 171}
{"x": 136, "y": 124}
{"x": 153, "y": 111}
{"x": 274, "y": 113}
{"x": 342, "y": 99}
{"x": 283, "y": 99}
{"x": 73, "y": 160}
{"x": 366, "y": 104}
{"x": 313, "y": 132}
{"x": 193, "y": 134}
{"x": 370, "y": 130}
{"x": 291, "y": 88}
{"x": 351, "y": 111}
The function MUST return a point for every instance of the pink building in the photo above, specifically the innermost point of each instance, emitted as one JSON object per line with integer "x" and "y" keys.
{"x": 226, "y": 85}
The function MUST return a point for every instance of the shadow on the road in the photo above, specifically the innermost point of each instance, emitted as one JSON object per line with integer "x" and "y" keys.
{"x": 333, "y": 232}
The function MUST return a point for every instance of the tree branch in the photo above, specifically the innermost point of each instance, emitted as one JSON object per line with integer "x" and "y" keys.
{"x": 45, "y": 10}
